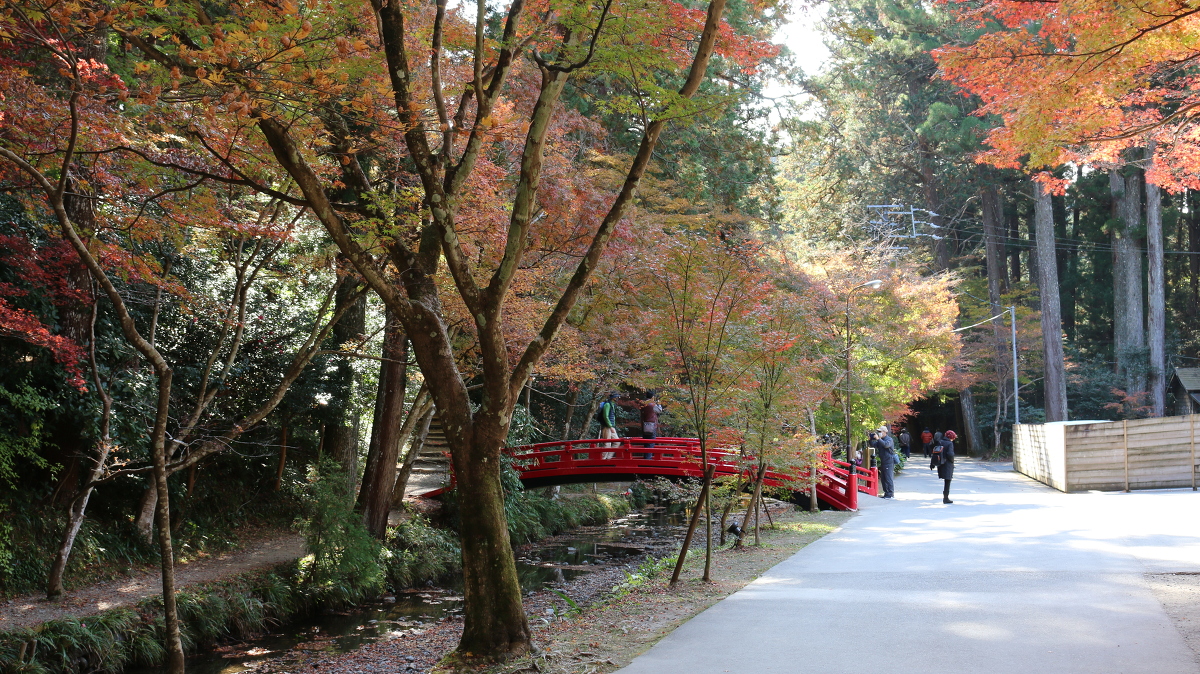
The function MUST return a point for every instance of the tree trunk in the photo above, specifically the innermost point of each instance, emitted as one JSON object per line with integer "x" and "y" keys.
{"x": 493, "y": 613}
{"x": 78, "y": 509}
{"x": 340, "y": 440}
{"x": 379, "y": 503}
{"x": 1156, "y": 317}
{"x": 1055, "y": 382}
{"x": 162, "y": 521}
{"x": 943, "y": 246}
{"x": 1128, "y": 332}
{"x": 687, "y": 539}
{"x": 708, "y": 539}
{"x": 813, "y": 476}
{"x": 1014, "y": 251}
{"x": 728, "y": 509}
{"x": 1069, "y": 284}
{"x": 970, "y": 425}
{"x": 375, "y": 496}
{"x": 752, "y": 507}
{"x": 414, "y": 453}
{"x": 1193, "y": 228}
{"x": 597, "y": 398}
{"x": 144, "y": 523}
{"x": 162, "y": 370}
{"x": 283, "y": 440}
{"x": 993, "y": 232}
{"x": 54, "y": 585}
{"x": 569, "y": 414}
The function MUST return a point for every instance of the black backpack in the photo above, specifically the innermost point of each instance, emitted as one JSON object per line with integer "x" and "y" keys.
{"x": 601, "y": 415}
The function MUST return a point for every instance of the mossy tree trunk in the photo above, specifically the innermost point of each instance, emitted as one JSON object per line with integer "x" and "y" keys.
{"x": 375, "y": 495}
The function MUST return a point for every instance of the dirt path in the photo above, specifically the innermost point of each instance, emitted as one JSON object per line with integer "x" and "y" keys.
{"x": 1179, "y": 594}
{"x": 32, "y": 610}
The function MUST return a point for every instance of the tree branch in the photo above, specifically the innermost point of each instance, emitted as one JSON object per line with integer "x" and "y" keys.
{"x": 537, "y": 347}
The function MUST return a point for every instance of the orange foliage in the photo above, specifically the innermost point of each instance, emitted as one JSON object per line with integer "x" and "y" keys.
{"x": 1081, "y": 80}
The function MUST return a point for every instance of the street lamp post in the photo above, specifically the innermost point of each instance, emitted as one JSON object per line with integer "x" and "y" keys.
{"x": 873, "y": 285}
{"x": 1012, "y": 311}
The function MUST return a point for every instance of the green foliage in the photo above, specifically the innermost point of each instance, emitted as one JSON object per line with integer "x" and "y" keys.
{"x": 663, "y": 492}
{"x": 523, "y": 430}
{"x": 647, "y": 571}
{"x": 533, "y": 516}
{"x": 21, "y": 428}
{"x": 572, "y": 605}
{"x": 345, "y": 564}
{"x": 418, "y": 552}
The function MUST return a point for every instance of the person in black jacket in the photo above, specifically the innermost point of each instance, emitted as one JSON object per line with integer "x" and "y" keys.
{"x": 943, "y": 460}
{"x": 885, "y": 449}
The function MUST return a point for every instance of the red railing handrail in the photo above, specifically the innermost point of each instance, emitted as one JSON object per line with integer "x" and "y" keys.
{"x": 680, "y": 457}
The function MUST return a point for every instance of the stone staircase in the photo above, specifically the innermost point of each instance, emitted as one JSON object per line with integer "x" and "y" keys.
{"x": 431, "y": 470}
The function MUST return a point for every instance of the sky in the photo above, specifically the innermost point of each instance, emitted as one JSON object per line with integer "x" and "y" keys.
{"x": 801, "y": 37}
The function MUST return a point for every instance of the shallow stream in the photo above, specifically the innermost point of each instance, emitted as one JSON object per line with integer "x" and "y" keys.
{"x": 546, "y": 564}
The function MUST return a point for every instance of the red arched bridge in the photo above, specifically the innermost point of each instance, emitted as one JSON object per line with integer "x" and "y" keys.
{"x": 554, "y": 463}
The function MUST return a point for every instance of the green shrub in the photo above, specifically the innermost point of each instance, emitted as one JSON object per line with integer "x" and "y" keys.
{"x": 346, "y": 560}
{"x": 648, "y": 570}
{"x": 417, "y": 552}
{"x": 532, "y": 516}
{"x": 671, "y": 494}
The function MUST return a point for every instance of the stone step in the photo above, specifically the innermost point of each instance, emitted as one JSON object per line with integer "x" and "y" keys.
{"x": 432, "y": 461}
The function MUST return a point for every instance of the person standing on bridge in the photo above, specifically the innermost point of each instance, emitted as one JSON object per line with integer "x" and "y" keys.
{"x": 650, "y": 411}
{"x": 607, "y": 416}
{"x": 885, "y": 447}
{"x": 943, "y": 460}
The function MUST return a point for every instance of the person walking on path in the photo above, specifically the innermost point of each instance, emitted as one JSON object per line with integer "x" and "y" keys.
{"x": 905, "y": 443}
{"x": 927, "y": 441}
{"x": 885, "y": 447}
{"x": 943, "y": 460}
{"x": 650, "y": 412}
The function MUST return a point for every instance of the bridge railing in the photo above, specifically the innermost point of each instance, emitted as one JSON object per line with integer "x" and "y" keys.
{"x": 633, "y": 455}
{"x": 868, "y": 479}
{"x": 666, "y": 456}
{"x": 601, "y": 460}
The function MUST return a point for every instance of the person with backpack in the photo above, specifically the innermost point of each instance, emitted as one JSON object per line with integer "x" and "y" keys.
{"x": 905, "y": 443}
{"x": 927, "y": 441}
{"x": 607, "y": 416}
{"x": 943, "y": 460}
{"x": 885, "y": 449}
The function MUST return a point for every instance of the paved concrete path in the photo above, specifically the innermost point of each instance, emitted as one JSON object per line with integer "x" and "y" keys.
{"x": 1013, "y": 577}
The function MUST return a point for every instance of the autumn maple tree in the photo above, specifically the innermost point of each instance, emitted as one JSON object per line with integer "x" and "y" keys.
{"x": 1082, "y": 80}
{"x": 705, "y": 293}
{"x": 392, "y": 124}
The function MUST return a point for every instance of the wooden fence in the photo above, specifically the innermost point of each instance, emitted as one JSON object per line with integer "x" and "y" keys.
{"x": 1109, "y": 455}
